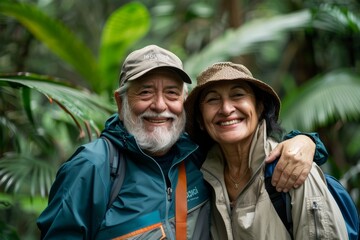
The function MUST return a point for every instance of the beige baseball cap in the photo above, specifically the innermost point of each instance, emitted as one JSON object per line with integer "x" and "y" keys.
{"x": 148, "y": 58}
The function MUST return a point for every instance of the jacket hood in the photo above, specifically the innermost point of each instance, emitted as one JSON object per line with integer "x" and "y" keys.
{"x": 115, "y": 131}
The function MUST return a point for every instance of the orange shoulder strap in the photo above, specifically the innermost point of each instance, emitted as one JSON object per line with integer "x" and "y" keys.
{"x": 181, "y": 203}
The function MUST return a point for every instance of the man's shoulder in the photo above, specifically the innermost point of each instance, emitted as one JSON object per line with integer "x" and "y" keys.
{"x": 92, "y": 153}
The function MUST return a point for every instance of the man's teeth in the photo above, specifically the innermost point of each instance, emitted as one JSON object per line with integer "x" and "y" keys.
{"x": 229, "y": 122}
{"x": 157, "y": 120}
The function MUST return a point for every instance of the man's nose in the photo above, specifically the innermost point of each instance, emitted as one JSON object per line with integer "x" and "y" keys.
{"x": 159, "y": 104}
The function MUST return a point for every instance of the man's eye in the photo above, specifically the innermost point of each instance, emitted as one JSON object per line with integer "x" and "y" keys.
{"x": 144, "y": 92}
{"x": 173, "y": 93}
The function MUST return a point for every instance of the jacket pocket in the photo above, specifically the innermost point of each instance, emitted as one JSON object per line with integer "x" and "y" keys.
{"x": 155, "y": 231}
{"x": 148, "y": 226}
{"x": 317, "y": 218}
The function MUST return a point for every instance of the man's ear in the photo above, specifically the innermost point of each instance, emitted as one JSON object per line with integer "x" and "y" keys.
{"x": 118, "y": 100}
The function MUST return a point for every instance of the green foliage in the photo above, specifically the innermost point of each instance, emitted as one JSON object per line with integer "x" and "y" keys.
{"x": 334, "y": 96}
{"x": 23, "y": 172}
{"x": 246, "y": 39}
{"x": 78, "y": 103}
{"x": 7, "y": 232}
{"x": 56, "y": 36}
{"x": 124, "y": 27}
{"x": 336, "y": 19}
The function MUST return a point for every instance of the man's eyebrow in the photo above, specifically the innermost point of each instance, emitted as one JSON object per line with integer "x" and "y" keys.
{"x": 173, "y": 86}
{"x": 145, "y": 86}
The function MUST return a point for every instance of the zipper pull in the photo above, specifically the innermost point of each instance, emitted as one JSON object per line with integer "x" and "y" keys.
{"x": 315, "y": 208}
{"x": 169, "y": 193}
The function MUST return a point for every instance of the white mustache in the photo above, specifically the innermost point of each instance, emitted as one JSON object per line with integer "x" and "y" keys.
{"x": 151, "y": 114}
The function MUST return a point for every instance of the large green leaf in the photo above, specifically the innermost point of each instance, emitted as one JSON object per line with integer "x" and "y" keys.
{"x": 123, "y": 28}
{"x": 246, "y": 39}
{"x": 325, "y": 99}
{"x": 80, "y": 104}
{"x": 336, "y": 19}
{"x": 56, "y": 36}
{"x": 20, "y": 173}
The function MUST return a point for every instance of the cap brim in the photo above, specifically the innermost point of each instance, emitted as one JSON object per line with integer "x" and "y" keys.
{"x": 180, "y": 72}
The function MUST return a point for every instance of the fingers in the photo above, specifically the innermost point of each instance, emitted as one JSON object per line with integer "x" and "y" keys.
{"x": 291, "y": 178}
{"x": 293, "y": 167}
{"x": 302, "y": 177}
{"x": 275, "y": 153}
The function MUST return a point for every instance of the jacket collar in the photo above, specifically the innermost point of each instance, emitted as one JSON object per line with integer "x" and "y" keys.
{"x": 259, "y": 149}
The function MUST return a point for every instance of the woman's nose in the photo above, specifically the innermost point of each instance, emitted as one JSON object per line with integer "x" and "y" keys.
{"x": 226, "y": 107}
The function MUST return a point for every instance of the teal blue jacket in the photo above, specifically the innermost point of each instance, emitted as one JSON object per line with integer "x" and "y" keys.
{"x": 145, "y": 206}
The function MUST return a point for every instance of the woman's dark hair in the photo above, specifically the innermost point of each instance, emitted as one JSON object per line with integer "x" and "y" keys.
{"x": 273, "y": 126}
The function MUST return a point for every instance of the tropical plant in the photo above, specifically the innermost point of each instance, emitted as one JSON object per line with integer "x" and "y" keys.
{"x": 123, "y": 28}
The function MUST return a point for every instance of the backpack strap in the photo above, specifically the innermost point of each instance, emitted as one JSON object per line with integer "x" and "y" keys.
{"x": 181, "y": 204}
{"x": 117, "y": 170}
{"x": 280, "y": 200}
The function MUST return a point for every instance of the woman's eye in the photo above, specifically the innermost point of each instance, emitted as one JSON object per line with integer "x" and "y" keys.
{"x": 239, "y": 94}
{"x": 211, "y": 100}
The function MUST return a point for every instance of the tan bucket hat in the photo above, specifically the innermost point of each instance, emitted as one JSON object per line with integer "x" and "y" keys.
{"x": 148, "y": 58}
{"x": 219, "y": 72}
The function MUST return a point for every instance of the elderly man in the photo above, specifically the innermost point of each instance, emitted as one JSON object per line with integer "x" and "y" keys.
{"x": 163, "y": 194}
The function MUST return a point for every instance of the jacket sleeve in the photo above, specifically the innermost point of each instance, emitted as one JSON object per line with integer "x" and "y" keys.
{"x": 77, "y": 200}
{"x": 321, "y": 153}
{"x": 315, "y": 213}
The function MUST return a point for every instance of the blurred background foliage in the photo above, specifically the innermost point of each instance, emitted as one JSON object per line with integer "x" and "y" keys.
{"x": 60, "y": 60}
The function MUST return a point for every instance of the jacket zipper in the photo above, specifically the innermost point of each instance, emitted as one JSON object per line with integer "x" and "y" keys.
{"x": 169, "y": 193}
{"x": 315, "y": 210}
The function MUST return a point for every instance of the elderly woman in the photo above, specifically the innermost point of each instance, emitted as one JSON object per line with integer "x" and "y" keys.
{"x": 237, "y": 115}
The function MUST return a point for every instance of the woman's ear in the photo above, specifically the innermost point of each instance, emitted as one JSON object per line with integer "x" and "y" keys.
{"x": 260, "y": 109}
{"x": 118, "y": 100}
{"x": 200, "y": 121}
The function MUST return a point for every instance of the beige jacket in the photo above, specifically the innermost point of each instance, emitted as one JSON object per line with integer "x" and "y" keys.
{"x": 254, "y": 216}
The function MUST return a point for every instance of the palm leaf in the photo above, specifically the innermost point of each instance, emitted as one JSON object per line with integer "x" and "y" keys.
{"x": 246, "y": 39}
{"x": 23, "y": 174}
{"x": 56, "y": 36}
{"x": 123, "y": 28}
{"x": 81, "y": 105}
{"x": 336, "y": 19}
{"x": 323, "y": 100}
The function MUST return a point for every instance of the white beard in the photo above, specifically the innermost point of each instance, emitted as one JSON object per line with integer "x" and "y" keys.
{"x": 161, "y": 139}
